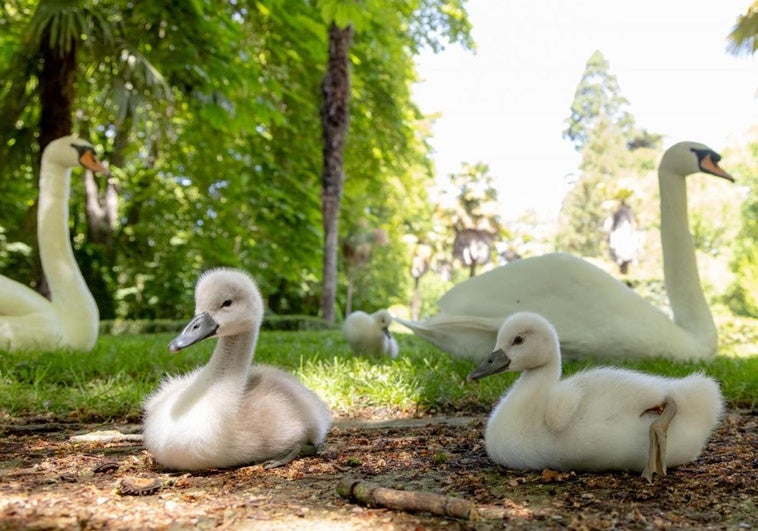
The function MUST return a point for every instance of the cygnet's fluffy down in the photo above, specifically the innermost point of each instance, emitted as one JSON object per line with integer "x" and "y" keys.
{"x": 228, "y": 413}
{"x": 600, "y": 419}
{"x": 369, "y": 334}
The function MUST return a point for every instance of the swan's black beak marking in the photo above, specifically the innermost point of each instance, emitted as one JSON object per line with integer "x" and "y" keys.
{"x": 202, "y": 326}
{"x": 708, "y": 161}
{"x": 497, "y": 362}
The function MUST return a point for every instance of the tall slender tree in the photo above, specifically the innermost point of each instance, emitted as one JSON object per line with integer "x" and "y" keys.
{"x": 597, "y": 97}
{"x": 603, "y": 130}
{"x": 335, "y": 117}
{"x": 382, "y": 20}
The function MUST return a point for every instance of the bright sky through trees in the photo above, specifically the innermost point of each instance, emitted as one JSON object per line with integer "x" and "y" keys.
{"x": 507, "y": 104}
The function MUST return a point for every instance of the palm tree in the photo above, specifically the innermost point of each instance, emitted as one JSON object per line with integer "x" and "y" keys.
{"x": 48, "y": 52}
{"x": 335, "y": 116}
{"x": 743, "y": 36}
{"x": 474, "y": 216}
{"x": 56, "y": 46}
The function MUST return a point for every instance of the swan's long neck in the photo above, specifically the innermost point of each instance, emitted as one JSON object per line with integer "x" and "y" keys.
{"x": 231, "y": 359}
{"x": 538, "y": 378}
{"x": 680, "y": 272}
{"x": 69, "y": 293}
{"x": 223, "y": 379}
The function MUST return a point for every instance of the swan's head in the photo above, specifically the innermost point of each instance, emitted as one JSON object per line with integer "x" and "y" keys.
{"x": 525, "y": 341}
{"x": 227, "y": 303}
{"x": 71, "y": 151}
{"x": 686, "y": 158}
{"x": 383, "y": 319}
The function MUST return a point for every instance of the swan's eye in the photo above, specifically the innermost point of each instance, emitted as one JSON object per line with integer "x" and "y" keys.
{"x": 518, "y": 340}
{"x": 226, "y": 303}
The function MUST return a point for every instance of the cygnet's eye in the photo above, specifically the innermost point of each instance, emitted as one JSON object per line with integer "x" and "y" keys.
{"x": 226, "y": 303}
{"x": 518, "y": 340}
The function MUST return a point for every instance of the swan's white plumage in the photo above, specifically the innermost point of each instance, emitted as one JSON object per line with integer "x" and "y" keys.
{"x": 228, "y": 413}
{"x": 594, "y": 420}
{"x": 369, "y": 333}
{"x": 70, "y": 319}
{"x": 595, "y": 314}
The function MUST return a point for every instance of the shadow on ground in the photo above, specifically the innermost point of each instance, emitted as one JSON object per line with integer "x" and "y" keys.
{"x": 49, "y": 481}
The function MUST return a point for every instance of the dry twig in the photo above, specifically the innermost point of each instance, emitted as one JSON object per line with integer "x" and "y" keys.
{"x": 373, "y": 495}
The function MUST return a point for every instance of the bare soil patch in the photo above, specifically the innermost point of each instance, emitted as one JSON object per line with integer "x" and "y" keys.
{"x": 48, "y": 481}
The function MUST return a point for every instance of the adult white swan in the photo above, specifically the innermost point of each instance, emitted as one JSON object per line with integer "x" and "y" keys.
{"x": 594, "y": 314}
{"x": 71, "y": 318}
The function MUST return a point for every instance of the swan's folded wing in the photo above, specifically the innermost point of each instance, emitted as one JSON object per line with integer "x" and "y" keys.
{"x": 562, "y": 405}
{"x": 33, "y": 331}
{"x": 18, "y": 299}
{"x": 470, "y": 337}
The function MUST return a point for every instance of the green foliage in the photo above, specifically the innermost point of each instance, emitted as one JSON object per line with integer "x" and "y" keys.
{"x": 597, "y": 97}
{"x": 466, "y": 219}
{"x": 598, "y": 126}
{"x": 208, "y": 112}
{"x": 743, "y": 38}
{"x": 271, "y": 321}
{"x": 343, "y": 13}
{"x": 581, "y": 219}
{"x": 742, "y": 295}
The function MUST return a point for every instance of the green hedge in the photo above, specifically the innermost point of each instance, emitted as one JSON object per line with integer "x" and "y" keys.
{"x": 120, "y": 327}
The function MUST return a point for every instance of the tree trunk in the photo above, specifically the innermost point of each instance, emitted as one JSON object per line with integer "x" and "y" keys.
{"x": 101, "y": 210}
{"x": 335, "y": 89}
{"x": 416, "y": 300}
{"x": 56, "y": 89}
{"x": 102, "y": 199}
{"x": 56, "y": 93}
{"x": 349, "y": 295}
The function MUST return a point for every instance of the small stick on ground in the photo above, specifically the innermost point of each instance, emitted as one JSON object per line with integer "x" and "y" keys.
{"x": 373, "y": 495}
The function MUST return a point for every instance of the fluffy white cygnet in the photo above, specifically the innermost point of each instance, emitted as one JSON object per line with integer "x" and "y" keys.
{"x": 369, "y": 334}
{"x": 600, "y": 419}
{"x": 229, "y": 413}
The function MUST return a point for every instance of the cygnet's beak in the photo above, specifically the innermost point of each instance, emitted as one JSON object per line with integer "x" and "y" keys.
{"x": 202, "y": 326}
{"x": 497, "y": 362}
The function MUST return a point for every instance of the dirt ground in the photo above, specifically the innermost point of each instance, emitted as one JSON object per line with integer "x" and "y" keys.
{"x": 49, "y": 481}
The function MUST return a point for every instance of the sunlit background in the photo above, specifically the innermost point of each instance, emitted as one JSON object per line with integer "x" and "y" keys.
{"x": 506, "y": 105}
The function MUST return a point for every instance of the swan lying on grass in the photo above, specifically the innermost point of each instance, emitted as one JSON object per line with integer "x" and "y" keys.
{"x": 595, "y": 314}
{"x": 70, "y": 319}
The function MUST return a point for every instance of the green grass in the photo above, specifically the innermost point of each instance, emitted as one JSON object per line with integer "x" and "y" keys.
{"x": 110, "y": 383}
